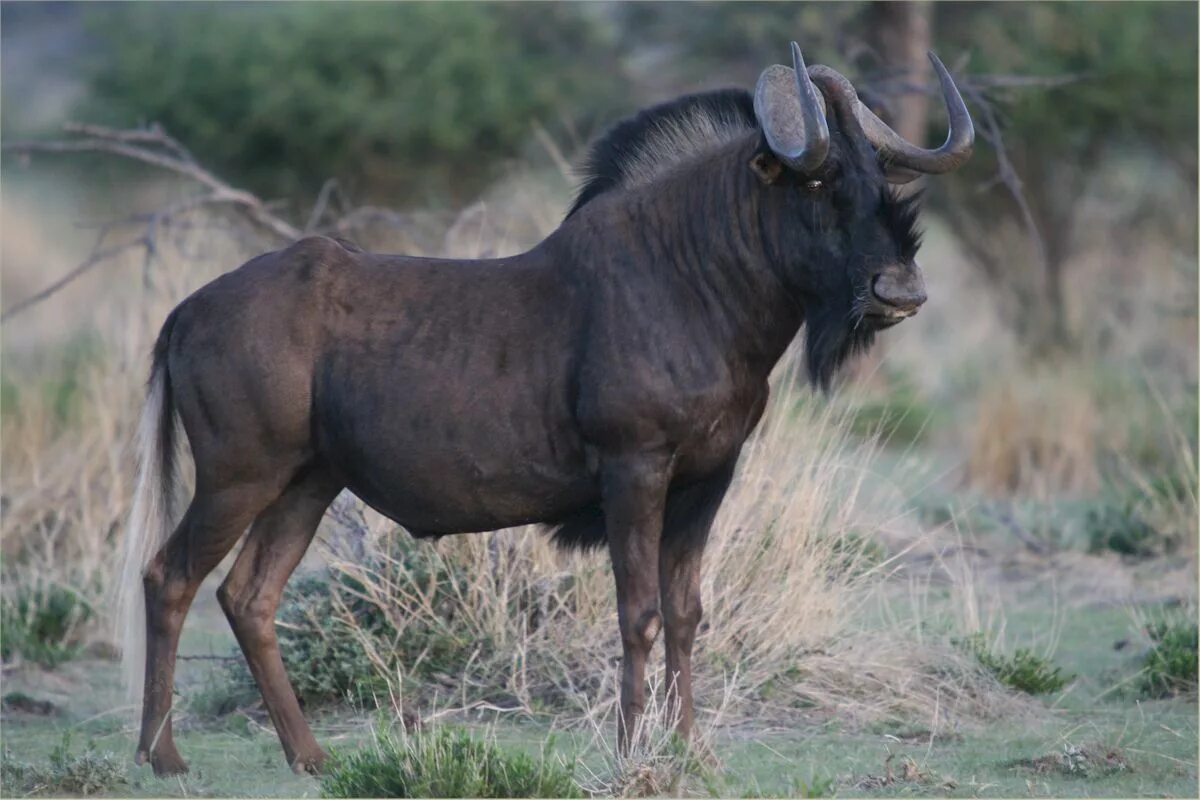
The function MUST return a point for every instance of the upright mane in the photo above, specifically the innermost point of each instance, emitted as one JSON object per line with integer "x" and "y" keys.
{"x": 637, "y": 150}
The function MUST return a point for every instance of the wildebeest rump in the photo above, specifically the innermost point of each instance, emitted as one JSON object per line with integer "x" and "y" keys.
{"x": 602, "y": 383}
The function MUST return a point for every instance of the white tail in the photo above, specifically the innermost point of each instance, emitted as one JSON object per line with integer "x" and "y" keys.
{"x": 149, "y": 524}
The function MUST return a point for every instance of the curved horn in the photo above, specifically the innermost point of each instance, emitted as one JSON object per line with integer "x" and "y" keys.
{"x": 894, "y": 150}
{"x": 792, "y": 115}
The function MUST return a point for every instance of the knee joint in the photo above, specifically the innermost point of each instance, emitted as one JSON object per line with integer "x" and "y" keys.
{"x": 688, "y": 618}
{"x": 162, "y": 590}
{"x": 243, "y": 609}
{"x": 645, "y": 630}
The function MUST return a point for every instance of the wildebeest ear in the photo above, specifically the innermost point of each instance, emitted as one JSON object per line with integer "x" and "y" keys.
{"x": 766, "y": 166}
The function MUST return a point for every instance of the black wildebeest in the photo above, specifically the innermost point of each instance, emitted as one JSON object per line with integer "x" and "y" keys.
{"x": 602, "y": 383}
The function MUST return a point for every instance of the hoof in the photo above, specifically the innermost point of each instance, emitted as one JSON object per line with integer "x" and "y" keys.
{"x": 310, "y": 764}
{"x": 165, "y": 763}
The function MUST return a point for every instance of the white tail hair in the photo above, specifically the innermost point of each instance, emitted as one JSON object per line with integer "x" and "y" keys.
{"x": 150, "y": 522}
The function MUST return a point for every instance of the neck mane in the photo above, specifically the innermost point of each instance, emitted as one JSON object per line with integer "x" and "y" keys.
{"x": 690, "y": 219}
{"x": 639, "y": 150}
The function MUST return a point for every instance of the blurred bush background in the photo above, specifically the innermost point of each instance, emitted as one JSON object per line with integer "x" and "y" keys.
{"x": 1045, "y": 400}
{"x": 421, "y": 105}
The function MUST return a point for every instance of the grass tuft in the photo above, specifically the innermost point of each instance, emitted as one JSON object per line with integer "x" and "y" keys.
{"x": 443, "y": 762}
{"x": 339, "y": 644}
{"x": 1024, "y": 670}
{"x": 87, "y": 773}
{"x": 657, "y": 761}
{"x": 41, "y": 623}
{"x": 1121, "y": 529}
{"x": 903, "y": 772}
{"x": 1171, "y": 664}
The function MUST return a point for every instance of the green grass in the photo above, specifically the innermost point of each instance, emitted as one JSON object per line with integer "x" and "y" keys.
{"x": 1024, "y": 670}
{"x": 444, "y": 762}
{"x": 900, "y": 418}
{"x": 807, "y": 755}
{"x": 64, "y": 772}
{"x": 41, "y": 623}
{"x": 1121, "y": 528}
{"x": 1171, "y": 664}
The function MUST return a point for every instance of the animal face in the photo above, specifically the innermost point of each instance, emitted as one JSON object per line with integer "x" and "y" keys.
{"x": 847, "y": 245}
{"x": 848, "y": 240}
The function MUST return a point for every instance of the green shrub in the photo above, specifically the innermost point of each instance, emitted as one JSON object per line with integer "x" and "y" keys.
{"x": 1123, "y": 528}
{"x": 1120, "y": 529}
{"x": 88, "y": 773}
{"x": 325, "y": 660}
{"x": 391, "y": 99}
{"x": 1023, "y": 670}
{"x": 326, "y": 622}
{"x": 1171, "y": 665}
{"x": 442, "y": 763}
{"x": 41, "y": 623}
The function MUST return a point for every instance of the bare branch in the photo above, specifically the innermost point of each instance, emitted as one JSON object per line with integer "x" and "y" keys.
{"x": 364, "y": 215}
{"x": 975, "y": 88}
{"x": 153, "y": 135}
{"x": 154, "y": 147}
{"x": 319, "y": 208}
{"x": 94, "y": 260}
{"x": 1005, "y": 172}
{"x": 140, "y": 145}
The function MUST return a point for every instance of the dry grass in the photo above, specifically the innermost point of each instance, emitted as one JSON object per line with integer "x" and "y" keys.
{"x": 1036, "y": 434}
{"x": 1075, "y": 428}
{"x": 68, "y": 421}
{"x": 657, "y": 762}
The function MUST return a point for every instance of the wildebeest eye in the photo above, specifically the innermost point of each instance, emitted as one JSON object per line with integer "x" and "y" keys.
{"x": 814, "y": 185}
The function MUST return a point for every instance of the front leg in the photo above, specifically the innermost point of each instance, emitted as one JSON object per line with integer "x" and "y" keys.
{"x": 634, "y": 496}
{"x": 689, "y": 517}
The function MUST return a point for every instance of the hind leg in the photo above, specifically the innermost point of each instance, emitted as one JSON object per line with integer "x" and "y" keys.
{"x": 214, "y": 522}
{"x": 250, "y": 597}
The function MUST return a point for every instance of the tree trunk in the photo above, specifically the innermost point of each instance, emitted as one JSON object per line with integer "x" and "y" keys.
{"x": 898, "y": 36}
{"x": 898, "y": 33}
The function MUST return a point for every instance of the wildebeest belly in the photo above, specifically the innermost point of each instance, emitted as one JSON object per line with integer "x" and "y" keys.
{"x": 438, "y": 450}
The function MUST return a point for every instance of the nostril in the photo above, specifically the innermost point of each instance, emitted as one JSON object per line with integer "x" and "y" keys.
{"x": 877, "y": 289}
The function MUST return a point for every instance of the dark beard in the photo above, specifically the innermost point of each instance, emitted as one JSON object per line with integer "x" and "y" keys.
{"x": 832, "y": 336}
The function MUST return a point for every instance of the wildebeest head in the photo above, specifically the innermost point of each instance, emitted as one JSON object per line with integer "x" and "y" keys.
{"x": 848, "y": 241}
{"x": 819, "y": 169}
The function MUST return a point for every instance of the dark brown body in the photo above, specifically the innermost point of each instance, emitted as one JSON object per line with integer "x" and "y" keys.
{"x": 474, "y": 415}
{"x": 602, "y": 383}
